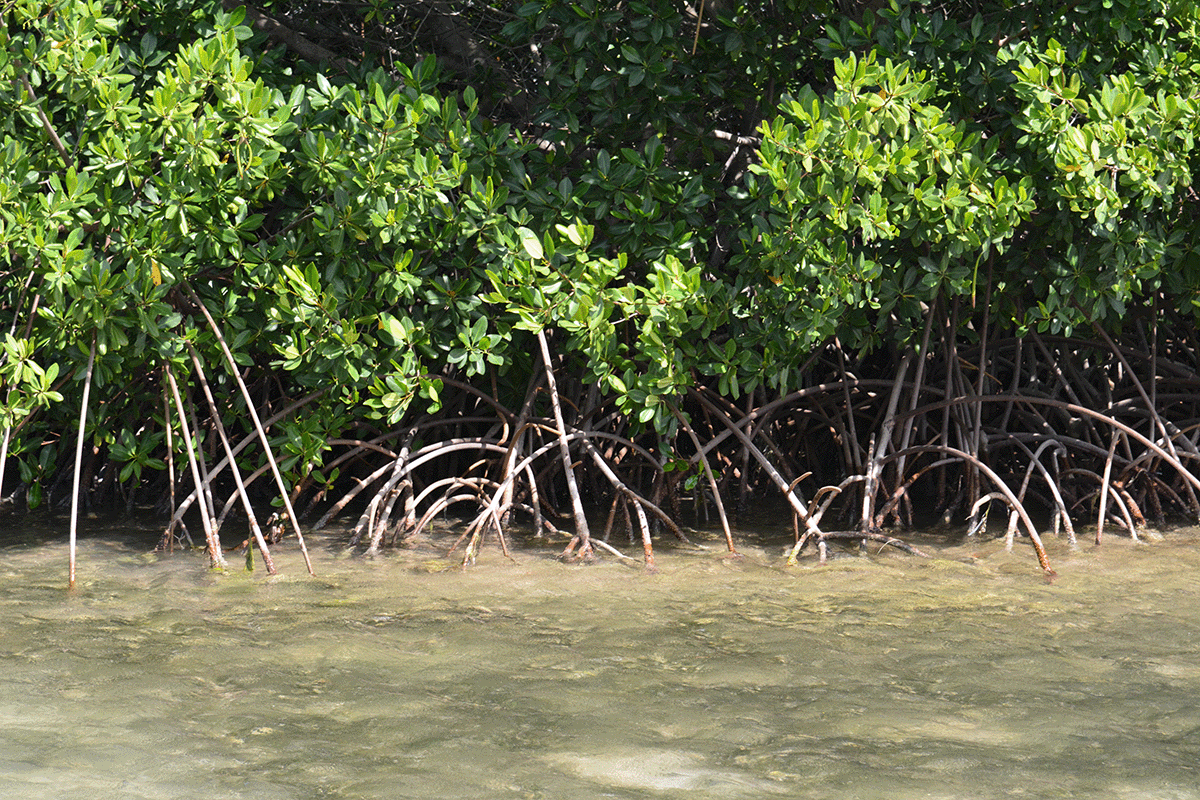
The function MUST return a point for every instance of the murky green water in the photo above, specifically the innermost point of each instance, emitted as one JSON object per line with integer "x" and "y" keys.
{"x": 882, "y": 677}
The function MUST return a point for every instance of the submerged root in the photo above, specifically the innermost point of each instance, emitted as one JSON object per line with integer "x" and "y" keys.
{"x": 862, "y": 537}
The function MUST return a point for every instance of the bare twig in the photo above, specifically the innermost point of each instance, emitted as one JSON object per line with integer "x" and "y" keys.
{"x": 46, "y": 125}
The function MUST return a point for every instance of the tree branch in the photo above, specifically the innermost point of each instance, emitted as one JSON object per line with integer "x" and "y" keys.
{"x": 308, "y": 50}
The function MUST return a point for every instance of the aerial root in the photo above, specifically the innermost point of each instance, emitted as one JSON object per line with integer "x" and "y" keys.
{"x": 951, "y": 434}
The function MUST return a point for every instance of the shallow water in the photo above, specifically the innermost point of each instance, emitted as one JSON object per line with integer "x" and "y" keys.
{"x": 965, "y": 676}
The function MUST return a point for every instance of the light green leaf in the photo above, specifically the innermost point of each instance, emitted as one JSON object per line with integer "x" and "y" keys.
{"x": 530, "y": 242}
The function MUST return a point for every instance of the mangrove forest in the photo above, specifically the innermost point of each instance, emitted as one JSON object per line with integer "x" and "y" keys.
{"x": 602, "y": 271}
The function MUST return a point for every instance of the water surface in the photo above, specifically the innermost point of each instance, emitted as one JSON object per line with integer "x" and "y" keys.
{"x": 966, "y": 676}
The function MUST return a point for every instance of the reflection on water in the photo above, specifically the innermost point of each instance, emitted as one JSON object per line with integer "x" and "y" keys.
{"x": 968, "y": 676}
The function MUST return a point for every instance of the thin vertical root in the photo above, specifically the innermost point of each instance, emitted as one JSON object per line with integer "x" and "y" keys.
{"x": 215, "y": 555}
{"x": 87, "y": 389}
{"x": 258, "y": 426}
{"x": 237, "y": 473}
{"x": 581, "y": 525}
